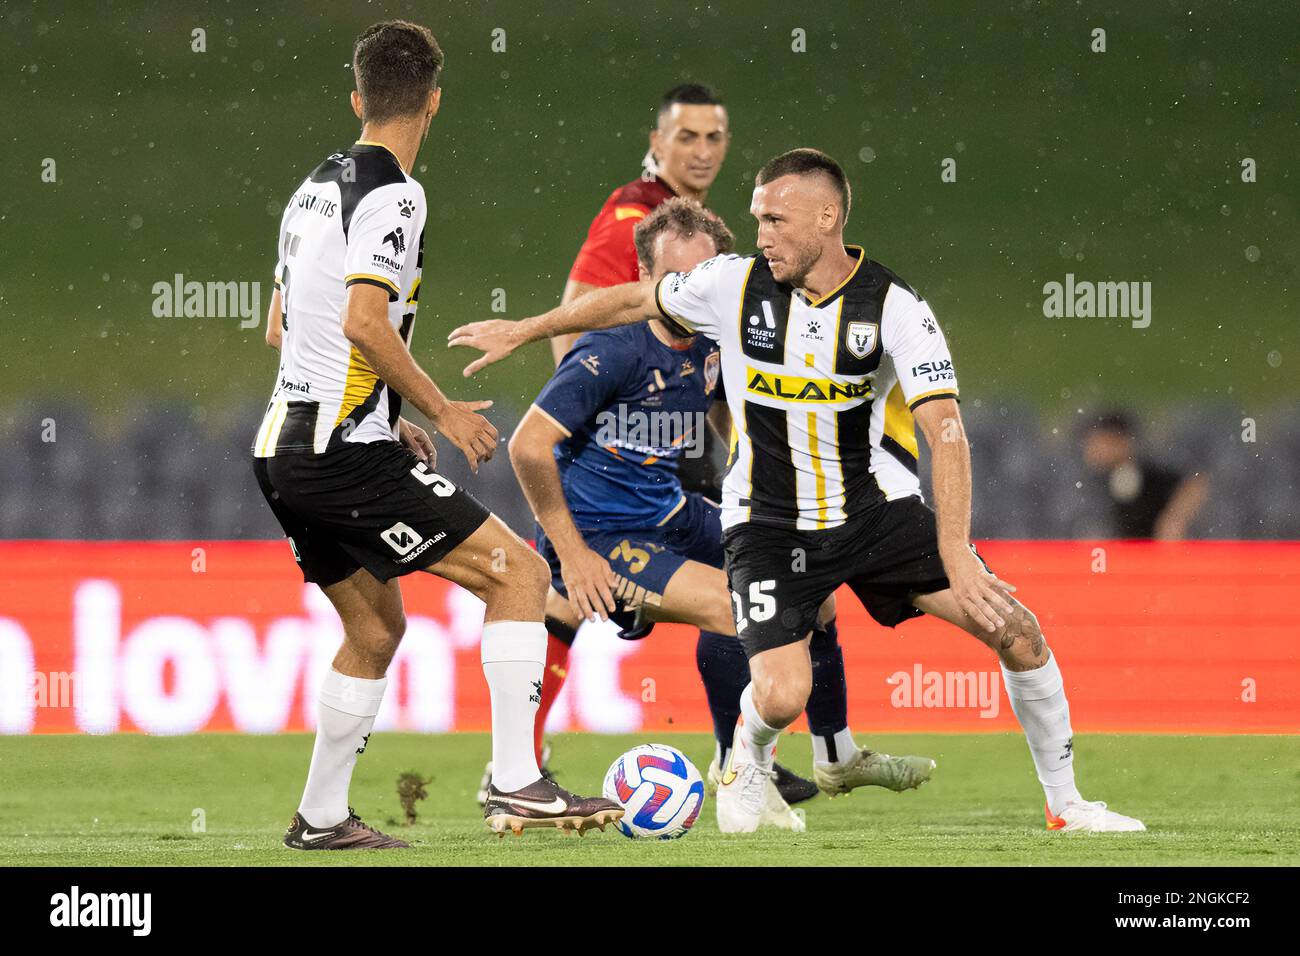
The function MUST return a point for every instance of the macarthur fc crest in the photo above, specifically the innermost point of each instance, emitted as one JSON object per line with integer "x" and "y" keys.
{"x": 711, "y": 368}
{"x": 861, "y": 338}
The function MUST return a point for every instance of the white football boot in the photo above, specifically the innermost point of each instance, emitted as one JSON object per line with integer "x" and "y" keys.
{"x": 867, "y": 768}
{"x": 1091, "y": 816}
{"x": 776, "y": 812}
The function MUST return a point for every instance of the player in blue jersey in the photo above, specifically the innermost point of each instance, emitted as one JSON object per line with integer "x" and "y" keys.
{"x": 597, "y": 456}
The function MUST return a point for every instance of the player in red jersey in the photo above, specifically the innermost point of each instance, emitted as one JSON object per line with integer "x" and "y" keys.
{"x": 685, "y": 153}
{"x": 687, "y": 147}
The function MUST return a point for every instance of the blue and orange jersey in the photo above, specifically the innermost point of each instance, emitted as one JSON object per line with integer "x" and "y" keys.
{"x": 630, "y": 406}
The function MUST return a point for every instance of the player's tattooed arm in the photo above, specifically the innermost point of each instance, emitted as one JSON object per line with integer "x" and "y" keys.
{"x": 983, "y": 596}
{"x": 602, "y": 309}
{"x": 365, "y": 323}
{"x": 587, "y": 576}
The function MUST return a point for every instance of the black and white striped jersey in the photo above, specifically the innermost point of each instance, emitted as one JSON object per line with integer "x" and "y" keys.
{"x": 358, "y": 218}
{"x": 821, "y": 391}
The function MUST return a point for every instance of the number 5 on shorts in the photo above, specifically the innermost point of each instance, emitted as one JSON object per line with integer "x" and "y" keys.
{"x": 440, "y": 485}
{"x": 762, "y": 604}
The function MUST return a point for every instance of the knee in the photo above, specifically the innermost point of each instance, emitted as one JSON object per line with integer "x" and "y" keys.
{"x": 376, "y": 639}
{"x": 536, "y": 571}
{"x": 781, "y": 703}
{"x": 1021, "y": 638}
{"x": 395, "y": 625}
{"x": 519, "y": 568}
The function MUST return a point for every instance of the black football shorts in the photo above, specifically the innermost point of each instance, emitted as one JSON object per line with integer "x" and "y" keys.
{"x": 780, "y": 577}
{"x": 368, "y": 505}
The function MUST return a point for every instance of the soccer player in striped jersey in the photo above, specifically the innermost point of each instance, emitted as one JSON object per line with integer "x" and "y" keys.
{"x": 621, "y": 534}
{"x": 352, "y": 482}
{"x": 685, "y": 153}
{"x": 830, "y": 361}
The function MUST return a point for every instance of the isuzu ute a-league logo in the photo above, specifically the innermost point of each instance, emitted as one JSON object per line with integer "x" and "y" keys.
{"x": 75, "y": 908}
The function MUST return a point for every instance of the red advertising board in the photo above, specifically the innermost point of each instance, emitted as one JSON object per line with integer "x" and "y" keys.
{"x": 178, "y": 637}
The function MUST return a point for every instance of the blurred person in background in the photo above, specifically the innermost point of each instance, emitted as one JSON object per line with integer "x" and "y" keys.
{"x": 1147, "y": 500}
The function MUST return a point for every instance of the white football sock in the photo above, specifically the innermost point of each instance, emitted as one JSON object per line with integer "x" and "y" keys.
{"x": 757, "y": 736}
{"x": 345, "y": 712}
{"x": 1038, "y": 700}
{"x": 514, "y": 657}
{"x": 845, "y": 747}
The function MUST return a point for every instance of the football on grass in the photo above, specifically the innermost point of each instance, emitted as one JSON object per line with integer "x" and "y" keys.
{"x": 659, "y": 788}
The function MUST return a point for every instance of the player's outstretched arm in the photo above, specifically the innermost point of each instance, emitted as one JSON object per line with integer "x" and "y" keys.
{"x": 982, "y": 595}
{"x": 366, "y": 325}
{"x": 587, "y": 576}
{"x": 601, "y": 309}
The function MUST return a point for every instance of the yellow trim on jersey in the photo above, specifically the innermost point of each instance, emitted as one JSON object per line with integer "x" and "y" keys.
{"x": 551, "y": 418}
{"x": 839, "y": 319}
{"x": 659, "y": 304}
{"x": 272, "y": 437}
{"x": 367, "y": 275}
{"x": 930, "y": 394}
{"x": 371, "y": 142}
{"x": 415, "y": 292}
{"x": 793, "y": 388}
{"x": 628, "y": 212}
{"x": 360, "y": 383}
{"x": 862, "y": 256}
{"x": 740, "y": 337}
{"x": 814, "y": 455}
{"x": 899, "y": 424}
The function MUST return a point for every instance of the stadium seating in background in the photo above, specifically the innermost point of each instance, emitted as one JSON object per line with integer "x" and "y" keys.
{"x": 174, "y": 473}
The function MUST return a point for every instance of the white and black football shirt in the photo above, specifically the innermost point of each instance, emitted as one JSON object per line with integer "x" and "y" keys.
{"x": 821, "y": 391}
{"x": 357, "y": 218}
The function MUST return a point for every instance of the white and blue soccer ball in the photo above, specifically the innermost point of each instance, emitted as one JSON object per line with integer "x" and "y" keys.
{"x": 659, "y": 788}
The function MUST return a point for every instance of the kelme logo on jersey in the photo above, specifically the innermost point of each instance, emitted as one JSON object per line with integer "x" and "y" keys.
{"x": 861, "y": 338}
{"x": 792, "y": 388}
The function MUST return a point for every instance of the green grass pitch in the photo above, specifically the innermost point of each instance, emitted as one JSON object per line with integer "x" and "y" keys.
{"x": 133, "y": 800}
